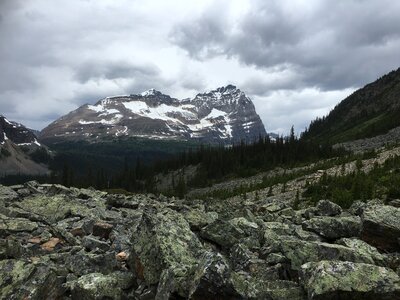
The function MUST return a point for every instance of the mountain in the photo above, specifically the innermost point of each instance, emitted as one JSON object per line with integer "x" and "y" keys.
{"x": 20, "y": 152}
{"x": 222, "y": 115}
{"x": 370, "y": 111}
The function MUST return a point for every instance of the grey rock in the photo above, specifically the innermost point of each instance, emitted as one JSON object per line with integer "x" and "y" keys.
{"x": 327, "y": 208}
{"x": 334, "y": 227}
{"x": 348, "y": 280}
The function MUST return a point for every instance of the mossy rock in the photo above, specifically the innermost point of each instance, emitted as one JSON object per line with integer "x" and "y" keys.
{"x": 347, "y": 280}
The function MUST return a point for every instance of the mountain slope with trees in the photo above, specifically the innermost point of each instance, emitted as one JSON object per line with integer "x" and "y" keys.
{"x": 370, "y": 111}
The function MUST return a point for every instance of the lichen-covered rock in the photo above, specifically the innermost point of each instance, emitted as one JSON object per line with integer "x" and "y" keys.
{"x": 14, "y": 225}
{"x": 96, "y": 286}
{"x": 228, "y": 233}
{"x": 300, "y": 252}
{"x": 347, "y": 280}
{"x": 52, "y": 209}
{"x": 365, "y": 249}
{"x": 381, "y": 227}
{"x": 7, "y": 193}
{"x": 250, "y": 287}
{"x": 197, "y": 218}
{"x": 334, "y": 227}
{"x": 211, "y": 279}
{"x": 81, "y": 262}
{"x": 10, "y": 248}
{"x": 22, "y": 280}
{"x": 327, "y": 208}
{"x": 163, "y": 240}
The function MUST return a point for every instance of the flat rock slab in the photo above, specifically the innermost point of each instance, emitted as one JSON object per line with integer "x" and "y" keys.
{"x": 346, "y": 280}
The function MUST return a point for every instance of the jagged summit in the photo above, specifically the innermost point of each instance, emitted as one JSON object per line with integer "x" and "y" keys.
{"x": 151, "y": 92}
{"x": 222, "y": 115}
{"x": 16, "y": 133}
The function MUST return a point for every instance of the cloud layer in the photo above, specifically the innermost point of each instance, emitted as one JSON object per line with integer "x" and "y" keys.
{"x": 295, "y": 59}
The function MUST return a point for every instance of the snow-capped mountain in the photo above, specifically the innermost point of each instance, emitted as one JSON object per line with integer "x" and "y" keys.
{"x": 18, "y": 146}
{"x": 16, "y": 133}
{"x": 222, "y": 115}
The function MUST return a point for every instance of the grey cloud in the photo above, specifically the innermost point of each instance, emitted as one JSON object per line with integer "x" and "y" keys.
{"x": 330, "y": 45}
{"x": 93, "y": 70}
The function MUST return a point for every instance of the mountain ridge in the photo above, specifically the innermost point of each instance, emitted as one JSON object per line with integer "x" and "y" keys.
{"x": 222, "y": 115}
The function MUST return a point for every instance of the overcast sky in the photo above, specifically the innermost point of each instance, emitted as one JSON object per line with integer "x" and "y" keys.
{"x": 295, "y": 59}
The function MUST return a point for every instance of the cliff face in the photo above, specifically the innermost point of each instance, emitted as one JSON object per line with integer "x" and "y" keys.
{"x": 223, "y": 115}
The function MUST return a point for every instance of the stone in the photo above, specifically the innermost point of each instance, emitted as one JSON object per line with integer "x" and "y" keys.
{"x": 334, "y": 227}
{"x": 10, "y": 248}
{"x": 348, "y": 280}
{"x": 228, "y": 233}
{"x": 9, "y": 226}
{"x": 163, "y": 241}
{"x": 51, "y": 244}
{"x": 92, "y": 243}
{"x": 122, "y": 256}
{"x": 97, "y": 286}
{"x": 327, "y": 208}
{"x": 381, "y": 227}
{"x": 54, "y": 208}
{"x": 198, "y": 219}
{"x": 102, "y": 229}
{"x": 249, "y": 287}
{"x": 300, "y": 252}
{"x": 82, "y": 262}
{"x": 365, "y": 249}
{"x": 7, "y": 193}
{"x": 22, "y": 280}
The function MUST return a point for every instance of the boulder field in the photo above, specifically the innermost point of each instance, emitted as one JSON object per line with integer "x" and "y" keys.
{"x": 70, "y": 243}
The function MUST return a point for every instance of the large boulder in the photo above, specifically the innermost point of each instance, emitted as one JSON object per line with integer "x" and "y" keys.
{"x": 165, "y": 247}
{"x": 347, "y": 280}
{"x": 250, "y": 287}
{"x": 237, "y": 230}
{"x": 334, "y": 228}
{"x": 96, "y": 286}
{"x": 52, "y": 208}
{"x": 9, "y": 226}
{"x": 327, "y": 208}
{"x": 7, "y": 193}
{"x": 364, "y": 249}
{"x": 300, "y": 252}
{"x": 381, "y": 227}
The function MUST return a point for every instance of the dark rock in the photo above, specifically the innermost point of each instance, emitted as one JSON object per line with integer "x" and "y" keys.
{"x": 102, "y": 229}
{"x": 228, "y": 233}
{"x": 381, "y": 227}
{"x": 334, "y": 227}
{"x": 21, "y": 280}
{"x": 92, "y": 243}
{"x": 327, "y": 208}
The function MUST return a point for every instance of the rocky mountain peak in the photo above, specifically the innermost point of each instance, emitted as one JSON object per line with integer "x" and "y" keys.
{"x": 16, "y": 133}
{"x": 151, "y": 93}
{"x": 223, "y": 115}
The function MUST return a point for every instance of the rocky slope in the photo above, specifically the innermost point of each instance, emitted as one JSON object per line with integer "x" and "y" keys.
{"x": 69, "y": 243}
{"x": 222, "y": 115}
{"x": 17, "y": 143}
